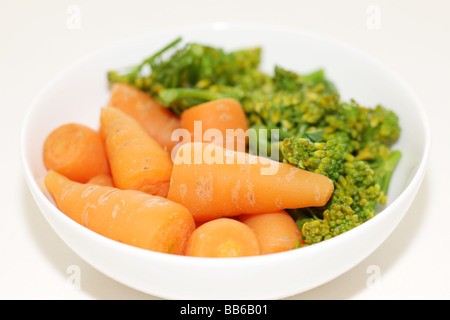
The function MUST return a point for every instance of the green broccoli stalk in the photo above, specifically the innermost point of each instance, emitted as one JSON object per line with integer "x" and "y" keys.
{"x": 384, "y": 169}
{"x": 180, "y": 99}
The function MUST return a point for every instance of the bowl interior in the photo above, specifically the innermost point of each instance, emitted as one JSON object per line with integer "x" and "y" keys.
{"x": 78, "y": 93}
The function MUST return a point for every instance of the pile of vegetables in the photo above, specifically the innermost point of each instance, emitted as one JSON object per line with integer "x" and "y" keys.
{"x": 349, "y": 143}
{"x": 128, "y": 180}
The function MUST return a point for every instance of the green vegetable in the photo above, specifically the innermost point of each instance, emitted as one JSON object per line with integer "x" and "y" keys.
{"x": 325, "y": 158}
{"x": 359, "y": 186}
{"x": 199, "y": 73}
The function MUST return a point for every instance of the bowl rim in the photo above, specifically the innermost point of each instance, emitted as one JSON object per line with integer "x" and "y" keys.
{"x": 218, "y": 26}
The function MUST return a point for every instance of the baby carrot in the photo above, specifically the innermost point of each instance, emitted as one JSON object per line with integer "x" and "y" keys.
{"x": 276, "y": 232}
{"x": 137, "y": 161}
{"x": 76, "y": 151}
{"x": 102, "y": 179}
{"x": 224, "y": 238}
{"x": 226, "y": 116}
{"x": 159, "y": 122}
{"x": 213, "y": 182}
{"x": 128, "y": 216}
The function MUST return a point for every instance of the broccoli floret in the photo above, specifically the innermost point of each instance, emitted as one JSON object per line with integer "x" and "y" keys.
{"x": 373, "y": 150}
{"x": 367, "y": 133}
{"x": 293, "y": 111}
{"x": 353, "y": 202}
{"x": 359, "y": 186}
{"x": 337, "y": 219}
{"x": 383, "y": 125}
{"x": 381, "y": 130}
{"x": 325, "y": 158}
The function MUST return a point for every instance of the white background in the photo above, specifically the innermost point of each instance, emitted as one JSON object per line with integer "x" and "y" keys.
{"x": 36, "y": 41}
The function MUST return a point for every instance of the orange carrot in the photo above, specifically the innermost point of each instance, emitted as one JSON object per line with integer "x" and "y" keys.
{"x": 213, "y": 182}
{"x": 276, "y": 232}
{"x": 159, "y": 122}
{"x": 75, "y": 151}
{"x": 102, "y": 179}
{"x": 128, "y": 216}
{"x": 226, "y": 116}
{"x": 137, "y": 161}
{"x": 224, "y": 238}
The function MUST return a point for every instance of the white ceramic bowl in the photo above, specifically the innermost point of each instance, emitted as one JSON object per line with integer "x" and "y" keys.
{"x": 78, "y": 93}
